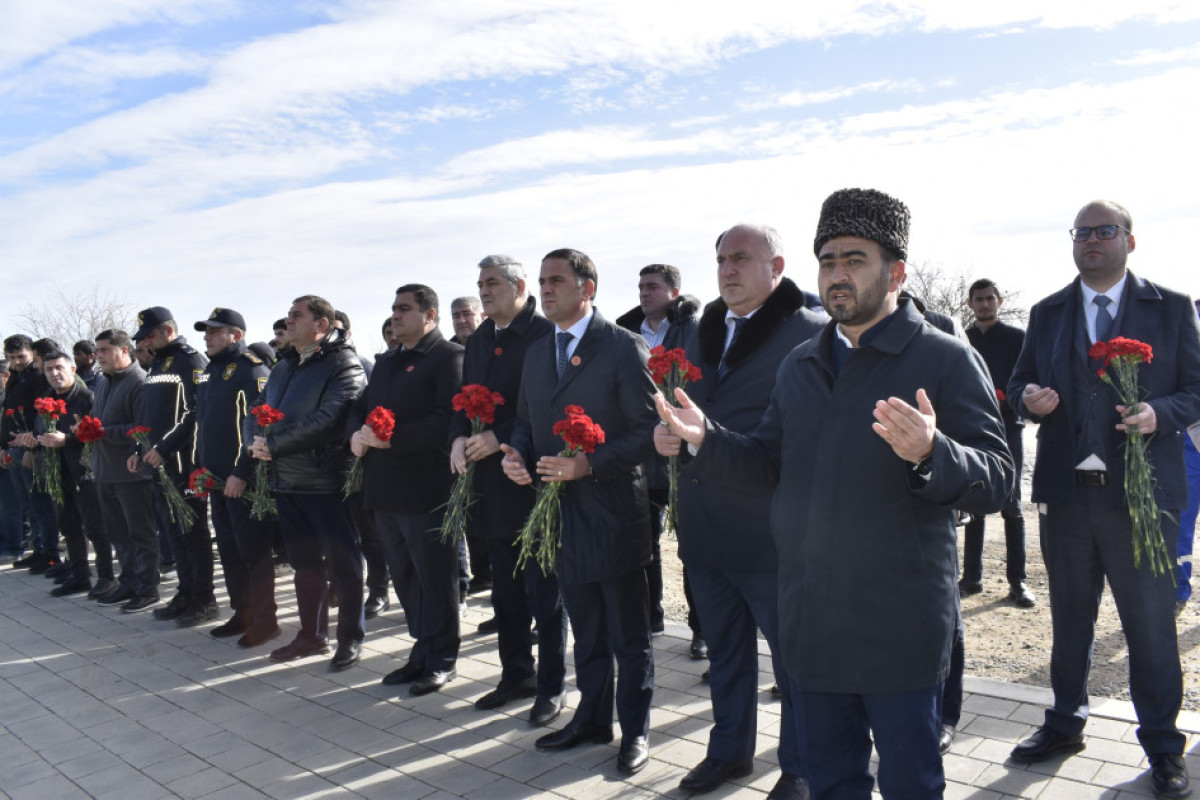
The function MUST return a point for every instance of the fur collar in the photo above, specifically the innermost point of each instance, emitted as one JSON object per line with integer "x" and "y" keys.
{"x": 782, "y": 303}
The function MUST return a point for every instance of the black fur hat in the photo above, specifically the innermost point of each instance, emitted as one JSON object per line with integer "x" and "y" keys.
{"x": 865, "y": 213}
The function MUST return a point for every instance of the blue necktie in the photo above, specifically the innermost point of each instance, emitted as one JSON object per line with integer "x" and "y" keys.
{"x": 1104, "y": 319}
{"x": 723, "y": 369}
{"x": 564, "y": 339}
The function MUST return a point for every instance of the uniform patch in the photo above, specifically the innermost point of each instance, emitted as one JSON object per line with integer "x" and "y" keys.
{"x": 197, "y": 376}
{"x": 170, "y": 360}
{"x": 253, "y": 359}
{"x": 262, "y": 382}
{"x": 229, "y": 370}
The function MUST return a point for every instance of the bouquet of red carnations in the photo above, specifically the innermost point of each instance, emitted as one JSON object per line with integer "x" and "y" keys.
{"x": 180, "y": 511}
{"x": 1121, "y": 358}
{"x": 259, "y": 495}
{"x": 382, "y": 423}
{"x": 479, "y": 404}
{"x": 671, "y": 370}
{"x": 202, "y": 482}
{"x": 47, "y": 477}
{"x": 541, "y": 538}
{"x": 88, "y": 431}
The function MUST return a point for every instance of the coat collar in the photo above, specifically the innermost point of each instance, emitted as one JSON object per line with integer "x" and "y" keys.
{"x": 781, "y": 304}
{"x": 519, "y": 325}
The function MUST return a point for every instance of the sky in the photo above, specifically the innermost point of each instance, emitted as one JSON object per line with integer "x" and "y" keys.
{"x": 239, "y": 153}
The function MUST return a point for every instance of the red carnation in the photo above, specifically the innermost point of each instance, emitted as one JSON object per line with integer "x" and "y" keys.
{"x": 89, "y": 430}
{"x": 383, "y": 422}
{"x": 478, "y": 403}
{"x": 266, "y": 416}
{"x": 138, "y": 430}
{"x": 1000, "y": 395}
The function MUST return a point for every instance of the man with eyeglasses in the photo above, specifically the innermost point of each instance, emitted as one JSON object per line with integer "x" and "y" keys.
{"x": 1079, "y": 477}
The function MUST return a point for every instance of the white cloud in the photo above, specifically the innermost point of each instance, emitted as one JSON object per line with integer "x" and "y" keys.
{"x": 1146, "y": 57}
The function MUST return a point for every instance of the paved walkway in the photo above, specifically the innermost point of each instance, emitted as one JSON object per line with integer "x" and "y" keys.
{"x": 97, "y": 703}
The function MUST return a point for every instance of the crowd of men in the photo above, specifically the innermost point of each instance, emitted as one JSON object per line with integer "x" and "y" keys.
{"x": 829, "y": 450}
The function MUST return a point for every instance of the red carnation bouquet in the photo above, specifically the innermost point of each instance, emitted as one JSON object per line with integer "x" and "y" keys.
{"x": 479, "y": 404}
{"x": 17, "y": 415}
{"x": 262, "y": 502}
{"x": 1121, "y": 358}
{"x": 541, "y": 537}
{"x": 181, "y": 512}
{"x": 89, "y": 430}
{"x": 671, "y": 370}
{"x": 47, "y": 474}
{"x": 382, "y": 423}
{"x": 202, "y": 482}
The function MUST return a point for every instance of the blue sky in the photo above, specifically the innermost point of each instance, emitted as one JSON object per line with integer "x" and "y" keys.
{"x": 231, "y": 153}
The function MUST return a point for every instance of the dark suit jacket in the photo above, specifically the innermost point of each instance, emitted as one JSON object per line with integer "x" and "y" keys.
{"x": 417, "y": 385}
{"x": 605, "y": 516}
{"x": 496, "y": 362}
{"x": 1165, "y": 320}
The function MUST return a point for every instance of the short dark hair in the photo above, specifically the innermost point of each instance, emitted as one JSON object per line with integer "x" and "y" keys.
{"x": 44, "y": 346}
{"x": 16, "y": 342}
{"x": 114, "y": 336}
{"x": 344, "y": 318}
{"x": 54, "y": 355}
{"x": 319, "y": 307}
{"x": 426, "y": 298}
{"x": 581, "y": 265}
{"x": 85, "y": 346}
{"x": 670, "y": 274}
{"x": 981, "y": 285}
{"x": 387, "y": 324}
{"x": 279, "y": 323}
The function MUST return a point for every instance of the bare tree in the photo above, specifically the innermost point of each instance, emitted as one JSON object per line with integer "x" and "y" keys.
{"x": 82, "y": 314}
{"x": 948, "y": 290}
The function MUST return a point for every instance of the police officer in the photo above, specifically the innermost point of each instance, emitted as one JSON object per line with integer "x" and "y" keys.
{"x": 228, "y": 388}
{"x": 168, "y": 408}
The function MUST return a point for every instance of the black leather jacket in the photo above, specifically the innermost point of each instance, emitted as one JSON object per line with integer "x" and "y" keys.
{"x": 308, "y": 448}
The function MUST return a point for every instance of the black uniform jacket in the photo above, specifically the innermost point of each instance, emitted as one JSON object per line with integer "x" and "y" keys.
{"x": 230, "y": 385}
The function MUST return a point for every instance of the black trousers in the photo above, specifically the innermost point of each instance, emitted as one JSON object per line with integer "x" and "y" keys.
{"x": 610, "y": 619}
{"x": 244, "y": 545}
{"x": 81, "y": 522}
{"x": 518, "y": 600}
{"x": 1014, "y": 525}
{"x": 128, "y": 510}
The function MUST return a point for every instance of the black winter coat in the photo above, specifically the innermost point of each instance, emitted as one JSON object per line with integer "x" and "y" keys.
{"x": 230, "y": 385}
{"x": 308, "y": 447}
{"x": 169, "y": 403}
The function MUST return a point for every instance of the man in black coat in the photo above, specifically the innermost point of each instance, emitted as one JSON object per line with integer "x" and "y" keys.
{"x": 663, "y": 317}
{"x": 230, "y": 385}
{"x": 863, "y": 514}
{"x": 406, "y": 482}
{"x": 25, "y": 383}
{"x": 724, "y": 535}
{"x": 494, "y": 358}
{"x": 169, "y": 410}
{"x": 1078, "y": 482}
{"x": 605, "y": 513}
{"x": 315, "y": 385}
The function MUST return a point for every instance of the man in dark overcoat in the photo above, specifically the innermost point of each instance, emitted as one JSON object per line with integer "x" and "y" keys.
{"x": 877, "y": 430}
{"x": 1079, "y": 478}
{"x": 724, "y": 535}
{"x": 494, "y": 358}
{"x": 605, "y": 514}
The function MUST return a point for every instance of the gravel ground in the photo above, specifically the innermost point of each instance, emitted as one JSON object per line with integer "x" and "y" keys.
{"x": 1013, "y": 644}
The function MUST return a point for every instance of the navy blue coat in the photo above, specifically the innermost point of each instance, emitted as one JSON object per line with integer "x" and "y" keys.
{"x": 169, "y": 402}
{"x": 1165, "y": 320}
{"x": 605, "y": 516}
{"x": 866, "y": 547}
{"x": 230, "y": 385}
{"x": 720, "y": 528}
{"x": 497, "y": 362}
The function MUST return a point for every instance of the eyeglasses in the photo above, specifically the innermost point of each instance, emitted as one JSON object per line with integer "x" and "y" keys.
{"x": 1101, "y": 231}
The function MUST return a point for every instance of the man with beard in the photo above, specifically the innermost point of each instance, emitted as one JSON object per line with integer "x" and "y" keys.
{"x": 26, "y": 382}
{"x": 863, "y": 514}
{"x": 232, "y": 382}
{"x": 169, "y": 411}
{"x": 1079, "y": 483}
{"x": 605, "y": 513}
{"x": 85, "y": 363}
{"x": 495, "y": 357}
{"x": 724, "y": 535}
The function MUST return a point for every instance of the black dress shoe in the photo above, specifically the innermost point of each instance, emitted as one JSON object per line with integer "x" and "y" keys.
{"x": 1019, "y": 593}
{"x": 42, "y": 564}
{"x": 406, "y": 674}
{"x": 1168, "y": 775}
{"x": 968, "y": 588}
{"x": 776, "y": 692}
{"x": 376, "y": 605}
{"x": 490, "y": 625}
{"x": 945, "y": 739}
{"x": 234, "y": 626}
{"x": 72, "y": 585}
{"x": 256, "y": 636}
{"x": 545, "y": 710}
{"x": 506, "y": 693}
{"x": 198, "y": 615}
{"x": 117, "y": 595}
{"x": 634, "y": 755}
{"x": 347, "y": 655}
{"x": 139, "y": 603}
{"x": 102, "y": 587}
{"x": 433, "y": 682}
{"x": 1045, "y": 743}
{"x": 300, "y": 647}
{"x": 62, "y": 569}
{"x": 789, "y": 787}
{"x": 174, "y": 608}
{"x": 573, "y": 735}
{"x": 711, "y": 773}
{"x": 26, "y": 562}
{"x": 699, "y": 648}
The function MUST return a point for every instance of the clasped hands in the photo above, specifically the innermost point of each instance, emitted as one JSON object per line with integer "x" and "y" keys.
{"x": 467, "y": 449}
{"x": 908, "y": 430}
{"x": 551, "y": 468}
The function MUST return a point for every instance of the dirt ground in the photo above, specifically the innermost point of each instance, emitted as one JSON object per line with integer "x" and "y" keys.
{"x": 1013, "y": 644}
